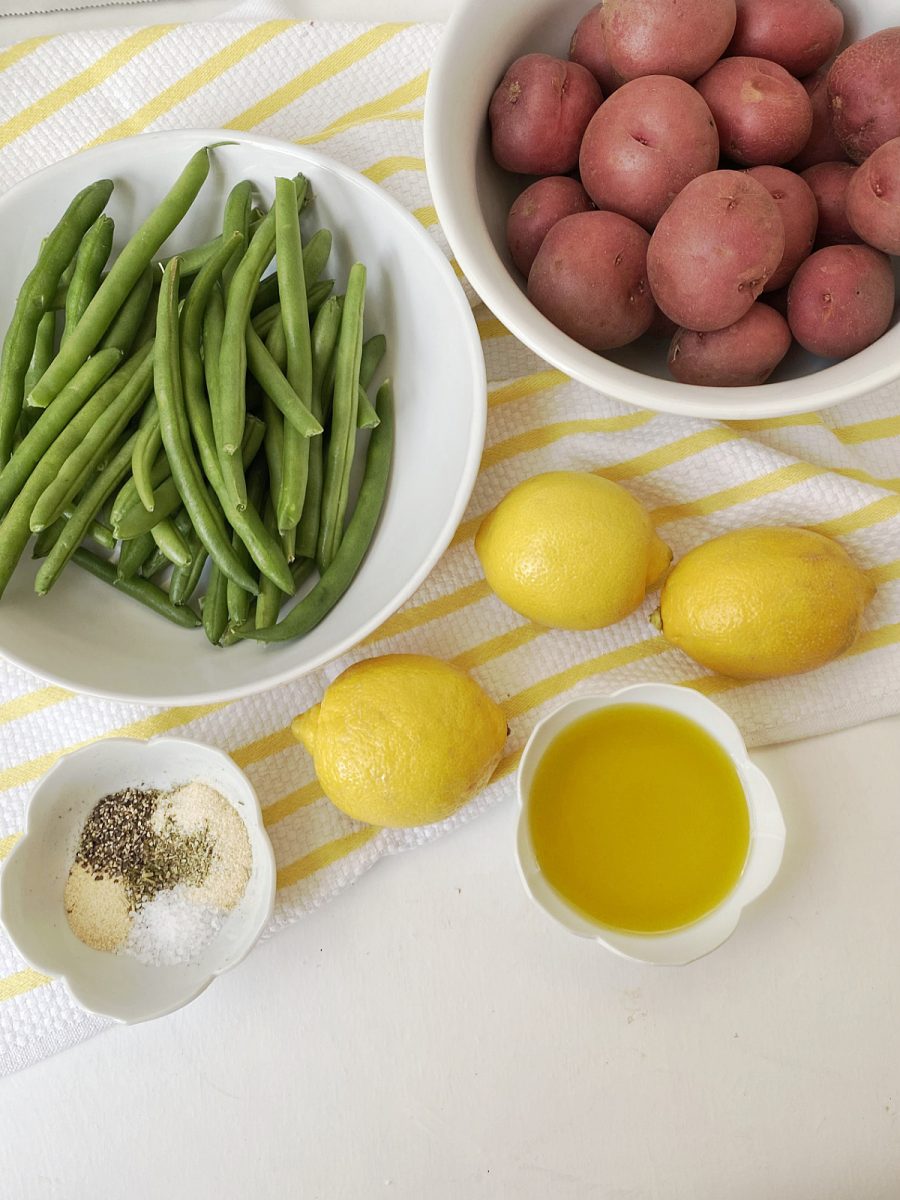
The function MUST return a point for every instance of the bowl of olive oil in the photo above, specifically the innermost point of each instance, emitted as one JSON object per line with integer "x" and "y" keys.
{"x": 644, "y": 825}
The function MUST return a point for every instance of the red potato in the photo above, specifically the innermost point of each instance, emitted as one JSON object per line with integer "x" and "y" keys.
{"x": 823, "y": 144}
{"x": 799, "y": 214}
{"x": 714, "y": 250}
{"x": 873, "y": 198}
{"x": 539, "y": 113}
{"x": 800, "y": 35}
{"x": 666, "y": 37}
{"x": 742, "y": 355}
{"x": 762, "y": 113}
{"x": 841, "y": 300}
{"x": 649, "y": 139}
{"x": 864, "y": 89}
{"x": 829, "y": 183}
{"x": 537, "y": 210}
{"x": 590, "y": 279}
{"x": 588, "y": 47}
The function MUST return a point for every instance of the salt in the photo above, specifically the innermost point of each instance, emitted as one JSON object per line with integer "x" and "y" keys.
{"x": 172, "y": 929}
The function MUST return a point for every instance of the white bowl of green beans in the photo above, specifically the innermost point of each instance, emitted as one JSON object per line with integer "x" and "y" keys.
{"x": 242, "y": 408}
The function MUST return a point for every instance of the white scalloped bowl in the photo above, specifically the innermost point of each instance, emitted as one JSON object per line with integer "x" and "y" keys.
{"x": 33, "y": 880}
{"x": 767, "y": 832}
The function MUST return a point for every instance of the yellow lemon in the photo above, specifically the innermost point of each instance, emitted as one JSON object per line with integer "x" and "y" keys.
{"x": 759, "y": 603}
{"x": 571, "y": 550}
{"x": 403, "y": 739}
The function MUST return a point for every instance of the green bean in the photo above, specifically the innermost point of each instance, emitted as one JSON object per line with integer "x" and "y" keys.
{"x": 96, "y": 530}
{"x": 262, "y": 322}
{"x": 274, "y": 451}
{"x": 105, "y": 430}
{"x": 213, "y": 329}
{"x": 196, "y": 258}
{"x": 146, "y": 451}
{"x": 213, "y": 326}
{"x": 134, "y": 554}
{"x": 328, "y": 381}
{"x": 89, "y": 263}
{"x": 182, "y": 523}
{"x": 318, "y": 294}
{"x": 79, "y": 524}
{"x": 277, "y": 348}
{"x": 298, "y": 352}
{"x": 366, "y": 416}
{"x": 254, "y": 433}
{"x": 35, "y": 298}
{"x": 276, "y": 343}
{"x": 324, "y": 339}
{"x": 339, "y": 457}
{"x": 87, "y": 388}
{"x": 236, "y": 598}
{"x": 294, "y": 311}
{"x": 171, "y": 543}
{"x": 274, "y": 384}
{"x": 201, "y": 294}
{"x": 215, "y": 614}
{"x": 146, "y": 331}
{"x": 269, "y": 600}
{"x": 46, "y": 539}
{"x": 315, "y": 255}
{"x": 233, "y": 353}
{"x": 236, "y": 220}
{"x": 58, "y": 299}
{"x": 185, "y": 580}
{"x": 177, "y": 437}
{"x": 141, "y": 590}
{"x": 42, "y": 355}
{"x": 237, "y": 601}
{"x": 130, "y": 317}
{"x": 373, "y": 352}
{"x": 246, "y": 522}
{"x": 123, "y": 275}
{"x": 155, "y": 563}
{"x": 317, "y": 603}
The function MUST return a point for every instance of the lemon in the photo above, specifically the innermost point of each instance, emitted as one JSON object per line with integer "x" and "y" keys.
{"x": 403, "y": 739}
{"x": 571, "y": 550}
{"x": 760, "y": 603}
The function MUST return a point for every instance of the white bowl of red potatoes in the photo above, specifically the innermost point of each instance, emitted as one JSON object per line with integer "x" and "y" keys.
{"x": 689, "y": 205}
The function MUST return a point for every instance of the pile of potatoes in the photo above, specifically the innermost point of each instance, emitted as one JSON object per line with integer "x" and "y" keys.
{"x": 730, "y": 203}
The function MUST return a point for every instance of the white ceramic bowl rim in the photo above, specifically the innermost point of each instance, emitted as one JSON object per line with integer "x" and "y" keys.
{"x": 451, "y": 133}
{"x": 767, "y": 831}
{"x": 188, "y": 982}
{"x": 281, "y": 667}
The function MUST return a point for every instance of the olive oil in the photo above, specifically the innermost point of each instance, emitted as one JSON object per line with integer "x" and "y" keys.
{"x": 638, "y": 818}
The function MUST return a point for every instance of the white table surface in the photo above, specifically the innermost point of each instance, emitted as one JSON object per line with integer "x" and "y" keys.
{"x": 431, "y": 1036}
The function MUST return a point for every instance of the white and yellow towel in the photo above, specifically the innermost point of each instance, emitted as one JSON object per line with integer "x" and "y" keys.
{"x": 357, "y": 93}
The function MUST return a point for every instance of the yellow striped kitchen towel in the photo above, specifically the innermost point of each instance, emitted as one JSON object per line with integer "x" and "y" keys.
{"x": 357, "y": 93}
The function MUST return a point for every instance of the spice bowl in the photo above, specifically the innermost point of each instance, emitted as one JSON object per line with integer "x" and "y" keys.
{"x": 765, "y": 843}
{"x": 34, "y": 878}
